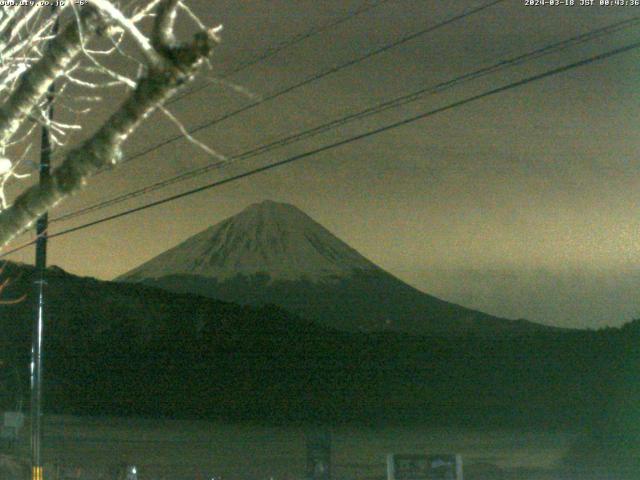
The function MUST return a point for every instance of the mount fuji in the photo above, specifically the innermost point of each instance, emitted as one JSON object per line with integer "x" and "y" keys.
{"x": 273, "y": 253}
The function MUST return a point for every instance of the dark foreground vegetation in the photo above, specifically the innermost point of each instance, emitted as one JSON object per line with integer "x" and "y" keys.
{"x": 133, "y": 350}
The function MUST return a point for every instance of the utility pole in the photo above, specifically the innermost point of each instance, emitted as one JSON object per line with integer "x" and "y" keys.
{"x": 39, "y": 287}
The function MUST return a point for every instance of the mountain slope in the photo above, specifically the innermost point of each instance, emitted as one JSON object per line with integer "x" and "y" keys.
{"x": 274, "y": 253}
{"x": 117, "y": 348}
{"x": 113, "y": 348}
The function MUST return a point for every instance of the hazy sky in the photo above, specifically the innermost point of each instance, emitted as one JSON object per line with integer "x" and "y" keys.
{"x": 523, "y": 204}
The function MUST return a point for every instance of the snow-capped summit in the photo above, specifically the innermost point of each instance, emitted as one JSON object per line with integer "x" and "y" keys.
{"x": 268, "y": 238}
{"x": 273, "y": 253}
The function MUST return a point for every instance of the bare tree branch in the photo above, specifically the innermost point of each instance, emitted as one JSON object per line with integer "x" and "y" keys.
{"x": 178, "y": 66}
{"x": 35, "y": 81}
{"x": 129, "y": 26}
{"x": 163, "y": 25}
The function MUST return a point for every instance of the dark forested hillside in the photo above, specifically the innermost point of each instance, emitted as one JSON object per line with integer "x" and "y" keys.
{"x": 130, "y": 349}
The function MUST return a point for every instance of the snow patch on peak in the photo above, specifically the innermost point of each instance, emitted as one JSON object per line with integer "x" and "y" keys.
{"x": 266, "y": 238}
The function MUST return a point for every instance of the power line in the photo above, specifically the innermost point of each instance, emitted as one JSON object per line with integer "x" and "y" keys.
{"x": 393, "y": 103}
{"x": 270, "y": 52}
{"x": 349, "y": 140}
{"x": 317, "y": 77}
